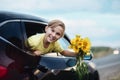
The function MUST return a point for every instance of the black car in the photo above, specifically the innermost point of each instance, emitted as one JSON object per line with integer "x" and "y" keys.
{"x": 16, "y": 61}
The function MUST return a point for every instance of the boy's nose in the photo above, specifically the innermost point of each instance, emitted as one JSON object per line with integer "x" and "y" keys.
{"x": 53, "y": 34}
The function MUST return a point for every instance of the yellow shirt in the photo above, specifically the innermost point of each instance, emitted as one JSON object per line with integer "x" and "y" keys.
{"x": 35, "y": 42}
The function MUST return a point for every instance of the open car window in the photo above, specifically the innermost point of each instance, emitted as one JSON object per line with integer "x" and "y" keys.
{"x": 32, "y": 28}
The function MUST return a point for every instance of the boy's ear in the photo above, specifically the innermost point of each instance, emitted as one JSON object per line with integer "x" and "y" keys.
{"x": 46, "y": 27}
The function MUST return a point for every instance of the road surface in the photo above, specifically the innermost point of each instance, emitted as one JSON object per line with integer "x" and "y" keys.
{"x": 108, "y": 67}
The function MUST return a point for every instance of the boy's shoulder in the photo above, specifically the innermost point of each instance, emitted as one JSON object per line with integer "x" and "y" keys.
{"x": 36, "y": 36}
{"x": 39, "y": 34}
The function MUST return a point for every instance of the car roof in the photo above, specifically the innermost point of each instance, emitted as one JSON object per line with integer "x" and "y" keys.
{"x": 7, "y": 15}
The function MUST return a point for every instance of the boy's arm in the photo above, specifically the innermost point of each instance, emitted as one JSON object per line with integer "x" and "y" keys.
{"x": 68, "y": 53}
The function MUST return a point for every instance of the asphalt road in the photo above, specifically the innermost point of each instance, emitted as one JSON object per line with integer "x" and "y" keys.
{"x": 108, "y": 67}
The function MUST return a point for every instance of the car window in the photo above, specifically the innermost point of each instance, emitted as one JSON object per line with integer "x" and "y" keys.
{"x": 64, "y": 43}
{"x": 33, "y": 28}
{"x": 12, "y": 32}
{"x": 3, "y": 60}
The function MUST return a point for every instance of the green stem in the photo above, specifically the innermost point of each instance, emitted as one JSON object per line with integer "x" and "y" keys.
{"x": 81, "y": 68}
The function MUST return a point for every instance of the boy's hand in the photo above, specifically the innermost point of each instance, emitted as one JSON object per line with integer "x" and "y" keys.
{"x": 37, "y": 53}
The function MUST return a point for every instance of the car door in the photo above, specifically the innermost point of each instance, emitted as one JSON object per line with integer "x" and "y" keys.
{"x": 10, "y": 32}
{"x": 13, "y": 57}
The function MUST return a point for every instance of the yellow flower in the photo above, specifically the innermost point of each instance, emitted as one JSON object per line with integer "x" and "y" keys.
{"x": 76, "y": 49}
{"x": 78, "y": 43}
{"x": 82, "y": 46}
{"x": 78, "y": 38}
{"x": 73, "y": 41}
{"x": 86, "y": 45}
{"x": 88, "y": 53}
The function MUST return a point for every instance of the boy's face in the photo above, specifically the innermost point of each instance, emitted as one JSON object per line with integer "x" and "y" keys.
{"x": 53, "y": 33}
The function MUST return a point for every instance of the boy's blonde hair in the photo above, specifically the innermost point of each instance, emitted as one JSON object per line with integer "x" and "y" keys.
{"x": 55, "y": 23}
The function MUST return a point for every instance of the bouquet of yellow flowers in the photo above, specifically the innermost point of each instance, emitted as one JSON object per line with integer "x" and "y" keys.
{"x": 82, "y": 47}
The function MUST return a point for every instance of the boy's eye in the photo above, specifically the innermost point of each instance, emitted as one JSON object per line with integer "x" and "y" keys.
{"x": 52, "y": 30}
{"x": 58, "y": 34}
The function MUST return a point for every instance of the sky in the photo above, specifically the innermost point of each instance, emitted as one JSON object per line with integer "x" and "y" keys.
{"x": 97, "y": 19}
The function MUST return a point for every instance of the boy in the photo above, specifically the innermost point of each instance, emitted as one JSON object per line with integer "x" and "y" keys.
{"x": 47, "y": 42}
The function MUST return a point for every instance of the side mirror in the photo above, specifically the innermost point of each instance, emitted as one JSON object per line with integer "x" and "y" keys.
{"x": 71, "y": 62}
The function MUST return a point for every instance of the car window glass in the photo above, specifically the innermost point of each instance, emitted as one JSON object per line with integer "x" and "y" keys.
{"x": 64, "y": 43}
{"x": 4, "y": 60}
{"x": 12, "y": 32}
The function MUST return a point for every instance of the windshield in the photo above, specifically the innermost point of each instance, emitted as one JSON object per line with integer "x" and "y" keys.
{"x": 64, "y": 43}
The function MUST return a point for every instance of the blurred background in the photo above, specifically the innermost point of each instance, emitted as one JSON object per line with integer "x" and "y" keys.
{"x": 97, "y": 19}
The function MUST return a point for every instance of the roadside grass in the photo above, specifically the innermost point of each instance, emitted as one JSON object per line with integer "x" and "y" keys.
{"x": 100, "y": 51}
